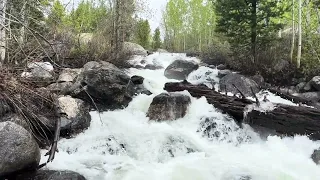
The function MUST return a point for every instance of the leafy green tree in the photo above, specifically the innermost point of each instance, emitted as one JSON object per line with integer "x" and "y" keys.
{"x": 188, "y": 24}
{"x": 56, "y": 18}
{"x": 156, "y": 39}
{"x": 142, "y": 34}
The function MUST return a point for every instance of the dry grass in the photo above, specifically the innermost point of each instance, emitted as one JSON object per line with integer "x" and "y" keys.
{"x": 17, "y": 96}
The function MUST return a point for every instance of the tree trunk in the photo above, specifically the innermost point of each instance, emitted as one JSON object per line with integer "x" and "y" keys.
{"x": 288, "y": 120}
{"x": 293, "y": 33}
{"x": 299, "y": 34}
{"x": 23, "y": 20}
{"x": 3, "y": 44}
{"x": 254, "y": 29}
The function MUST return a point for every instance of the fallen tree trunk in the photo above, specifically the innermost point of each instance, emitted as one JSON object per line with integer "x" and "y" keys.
{"x": 284, "y": 119}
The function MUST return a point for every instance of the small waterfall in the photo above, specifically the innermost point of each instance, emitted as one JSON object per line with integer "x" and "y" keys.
{"x": 204, "y": 145}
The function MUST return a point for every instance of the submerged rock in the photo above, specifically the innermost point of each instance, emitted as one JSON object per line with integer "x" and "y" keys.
{"x": 316, "y": 156}
{"x": 48, "y": 175}
{"x": 19, "y": 150}
{"x": 78, "y": 117}
{"x": 168, "y": 107}
{"x": 152, "y": 67}
{"x": 108, "y": 86}
{"x": 180, "y": 69}
{"x": 137, "y": 80}
{"x": 241, "y": 82}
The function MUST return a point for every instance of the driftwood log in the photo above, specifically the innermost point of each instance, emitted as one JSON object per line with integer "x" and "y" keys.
{"x": 284, "y": 119}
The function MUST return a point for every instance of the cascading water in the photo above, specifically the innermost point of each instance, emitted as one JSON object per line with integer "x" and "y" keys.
{"x": 204, "y": 145}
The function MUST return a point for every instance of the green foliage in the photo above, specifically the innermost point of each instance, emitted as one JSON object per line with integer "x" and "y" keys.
{"x": 156, "y": 44}
{"x": 57, "y": 16}
{"x": 142, "y": 33}
{"x": 188, "y": 24}
{"x": 248, "y": 22}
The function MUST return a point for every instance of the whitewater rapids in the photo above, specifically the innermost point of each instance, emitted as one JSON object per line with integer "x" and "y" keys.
{"x": 126, "y": 146}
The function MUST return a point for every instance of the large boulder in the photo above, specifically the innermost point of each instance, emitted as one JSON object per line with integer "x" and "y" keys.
{"x": 243, "y": 83}
{"x": 170, "y": 106}
{"x": 223, "y": 73}
{"x": 180, "y": 69}
{"x": 77, "y": 115}
{"x": 315, "y": 83}
{"x": 17, "y": 119}
{"x": 19, "y": 150}
{"x": 316, "y": 156}
{"x": 108, "y": 86}
{"x": 48, "y": 175}
{"x": 60, "y": 88}
{"x": 69, "y": 75}
{"x": 40, "y": 72}
{"x": 134, "y": 49}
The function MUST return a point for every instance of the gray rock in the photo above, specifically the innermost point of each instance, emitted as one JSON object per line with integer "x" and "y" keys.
{"x": 311, "y": 96}
{"x": 221, "y": 67}
{"x": 241, "y": 82}
{"x": 170, "y": 106}
{"x": 281, "y": 65}
{"x": 212, "y": 66}
{"x": 134, "y": 49}
{"x": 137, "y": 80}
{"x": 300, "y": 87}
{"x": 19, "y": 150}
{"x": 180, "y": 69}
{"x": 39, "y": 71}
{"x": 316, "y": 156}
{"x": 140, "y": 89}
{"x": 315, "y": 83}
{"x": 106, "y": 84}
{"x": 223, "y": 73}
{"x": 60, "y": 88}
{"x": 258, "y": 79}
{"x": 69, "y": 75}
{"x": 307, "y": 87}
{"x": 49, "y": 175}
{"x": 17, "y": 119}
{"x": 77, "y": 111}
{"x": 152, "y": 67}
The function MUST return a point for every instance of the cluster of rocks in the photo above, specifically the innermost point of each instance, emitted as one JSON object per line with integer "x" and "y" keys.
{"x": 97, "y": 84}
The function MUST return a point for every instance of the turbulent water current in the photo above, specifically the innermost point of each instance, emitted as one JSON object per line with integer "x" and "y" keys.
{"x": 125, "y": 145}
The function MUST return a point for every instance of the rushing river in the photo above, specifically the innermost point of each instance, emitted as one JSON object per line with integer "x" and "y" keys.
{"x": 127, "y": 146}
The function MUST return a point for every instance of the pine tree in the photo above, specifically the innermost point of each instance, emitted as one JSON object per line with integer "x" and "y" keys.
{"x": 249, "y": 23}
{"x": 156, "y": 39}
{"x": 142, "y": 35}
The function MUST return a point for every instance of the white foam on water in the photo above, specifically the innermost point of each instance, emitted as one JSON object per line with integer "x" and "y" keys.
{"x": 127, "y": 146}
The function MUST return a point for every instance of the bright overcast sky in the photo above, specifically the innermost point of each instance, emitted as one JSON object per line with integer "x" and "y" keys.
{"x": 154, "y": 7}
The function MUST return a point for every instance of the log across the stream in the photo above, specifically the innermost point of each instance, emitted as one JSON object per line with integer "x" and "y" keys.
{"x": 284, "y": 119}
